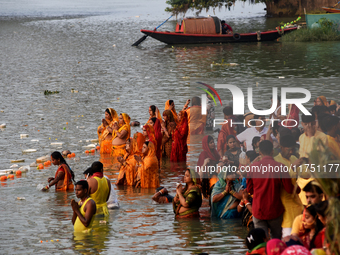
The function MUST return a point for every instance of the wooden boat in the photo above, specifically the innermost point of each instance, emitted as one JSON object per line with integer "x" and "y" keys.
{"x": 331, "y": 9}
{"x": 208, "y": 30}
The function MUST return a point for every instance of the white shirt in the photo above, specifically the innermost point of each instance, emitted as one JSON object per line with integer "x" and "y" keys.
{"x": 248, "y": 135}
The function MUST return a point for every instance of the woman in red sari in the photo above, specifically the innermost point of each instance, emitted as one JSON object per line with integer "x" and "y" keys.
{"x": 179, "y": 148}
{"x": 158, "y": 135}
{"x": 64, "y": 175}
{"x": 293, "y": 114}
{"x": 208, "y": 157}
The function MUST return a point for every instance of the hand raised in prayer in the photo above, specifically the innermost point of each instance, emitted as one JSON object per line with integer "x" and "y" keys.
{"x": 74, "y": 205}
{"x": 50, "y": 179}
{"x": 187, "y": 103}
{"x": 138, "y": 158}
{"x": 120, "y": 159}
{"x": 104, "y": 122}
{"x": 228, "y": 187}
{"x": 206, "y": 161}
{"x": 245, "y": 195}
{"x": 179, "y": 189}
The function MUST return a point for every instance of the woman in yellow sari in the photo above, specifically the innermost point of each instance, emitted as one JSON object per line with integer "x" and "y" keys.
{"x": 147, "y": 174}
{"x": 121, "y": 135}
{"x": 106, "y": 130}
{"x": 170, "y": 105}
{"x": 127, "y": 170}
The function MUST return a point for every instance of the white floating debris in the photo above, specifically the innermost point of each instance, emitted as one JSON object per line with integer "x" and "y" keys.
{"x": 87, "y": 141}
{"x": 6, "y": 171}
{"x": 3, "y": 125}
{"x": 74, "y": 91}
{"x": 80, "y": 141}
{"x": 90, "y": 146}
{"x": 81, "y": 127}
{"x": 33, "y": 164}
{"x": 21, "y": 198}
{"x": 14, "y": 166}
{"x": 281, "y": 77}
{"x": 34, "y": 140}
{"x": 17, "y": 160}
{"x": 25, "y": 168}
{"x": 57, "y": 144}
{"x": 94, "y": 141}
{"x": 43, "y": 159}
{"x": 29, "y": 150}
{"x": 233, "y": 64}
{"x": 23, "y": 135}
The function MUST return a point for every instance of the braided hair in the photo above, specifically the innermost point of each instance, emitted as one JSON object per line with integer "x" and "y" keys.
{"x": 57, "y": 155}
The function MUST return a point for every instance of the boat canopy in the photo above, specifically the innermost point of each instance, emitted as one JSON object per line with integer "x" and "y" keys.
{"x": 206, "y": 25}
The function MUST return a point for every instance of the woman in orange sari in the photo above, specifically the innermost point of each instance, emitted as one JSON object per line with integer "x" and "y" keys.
{"x": 121, "y": 135}
{"x": 127, "y": 170}
{"x": 106, "y": 130}
{"x": 170, "y": 105}
{"x": 179, "y": 146}
{"x": 149, "y": 134}
{"x": 147, "y": 175}
{"x": 64, "y": 175}
{"x": 139, "y": 140}
{"x": 168, "y": 126}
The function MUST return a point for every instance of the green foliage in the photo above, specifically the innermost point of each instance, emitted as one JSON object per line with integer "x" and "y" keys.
{"x": 326, "y": 31}
{"x": 331, "y": 188}
{"x": 47, "y": 92}
{"x": 182, "y": 6}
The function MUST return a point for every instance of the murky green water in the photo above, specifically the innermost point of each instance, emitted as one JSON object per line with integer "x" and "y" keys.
{"x": 85, "y": 45}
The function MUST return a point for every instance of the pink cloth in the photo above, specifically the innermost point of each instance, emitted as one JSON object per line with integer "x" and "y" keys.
{"x": 207, "y": 153}
{"x": 296, "y": 250}
{"x": 275, "y": 247}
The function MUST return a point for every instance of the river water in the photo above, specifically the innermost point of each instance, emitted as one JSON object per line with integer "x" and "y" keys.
{"x": 85, "y": 46}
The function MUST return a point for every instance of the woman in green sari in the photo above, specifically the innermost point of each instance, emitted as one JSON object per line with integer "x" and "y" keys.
{"x": 187, "y": 201}
{"x": 226, "y": 195}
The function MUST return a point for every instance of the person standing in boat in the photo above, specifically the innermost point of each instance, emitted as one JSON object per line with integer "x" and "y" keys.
{"x": 226, "y": 29}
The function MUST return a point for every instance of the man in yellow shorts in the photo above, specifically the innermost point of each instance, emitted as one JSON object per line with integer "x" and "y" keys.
{"x": 84, "y": 210}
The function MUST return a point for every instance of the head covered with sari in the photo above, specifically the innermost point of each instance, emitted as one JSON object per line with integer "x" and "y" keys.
{"x": 151, "y": 149}
{"x": 207, "y": 152}
{"x": 112, "y": 113}
{"x": 133, "y": 146}
{"x": 139, "y": 140}
{"x": 126, "y": 126}
{"x": 173, "y": 111}
{"x": 151, "y": 133}
{"x": 275, "y": 247}
{"x": 323, "y": 100}
{"x": 114, "y": 117}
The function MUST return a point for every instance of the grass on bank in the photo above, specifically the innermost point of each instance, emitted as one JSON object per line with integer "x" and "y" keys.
{"x": 325, "y": 30}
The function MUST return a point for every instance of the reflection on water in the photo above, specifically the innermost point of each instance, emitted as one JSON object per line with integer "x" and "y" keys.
{"x": 92, "y": 54}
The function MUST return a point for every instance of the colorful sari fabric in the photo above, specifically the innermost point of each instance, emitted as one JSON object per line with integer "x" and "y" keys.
{"x": 151, "y": 136}
{"x": 170, "y": 126}
{"x": 173, "y": 111}
{"x": 119, "y": 150}
{"x": 196, "y": 120}
{"x": 67, "y": 184}
{"x": 179, "y": 146}
{"x": 323, "y": 100}
{"x": 139, "y": 140}
{"x": 158, "y": 116}
{"x": 258, "y": 250}
{"x": 207, "y": 153}
{"x": 226, "y": 130}
{"x": 275, "y": 247}
{"x": 127, "y": 171}
{"x": 193, "y": 198}
{"x": 293, "y": 114}
{"x": 221, "y": 209}
{"x": 147, "y": 175}
{"x": 105, "y": 139}
{"x": 158, "y": 137}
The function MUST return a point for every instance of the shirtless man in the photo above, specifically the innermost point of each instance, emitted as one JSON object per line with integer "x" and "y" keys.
{"x": 83, "y": 211}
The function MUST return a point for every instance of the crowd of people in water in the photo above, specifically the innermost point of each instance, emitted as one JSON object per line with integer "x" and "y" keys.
{"x": 285, "y": 212}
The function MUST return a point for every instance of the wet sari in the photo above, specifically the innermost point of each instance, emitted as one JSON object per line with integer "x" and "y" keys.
{"x": 67, "y": 184}
{"x": 105, "y": 140}
{"x": 158, "y": 137}
{"x": 221, "y": 209}
{"x": 151, "y": 136}
{"x": 179, "y": 146}
{"x": 170, "y": 126}
{"x": 173, "y": 111}
{"x": 196, "y": 120}
{"x": 147, "y": 175}
{"x": 127, "y": 170}
{"x": 293, "y": 114}
{"x": 119, "y": 150}
{"x": 139, "y": 140}
{"x": 193, "y": 197}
